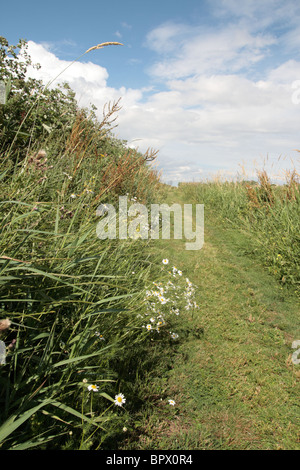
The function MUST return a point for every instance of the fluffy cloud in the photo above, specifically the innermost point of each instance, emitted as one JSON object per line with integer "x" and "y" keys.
{"x": 198, "y": 50}
{"x": 220, "y": 107}
{"x": 52, "y": 67}
{"x": 88, "y": 80}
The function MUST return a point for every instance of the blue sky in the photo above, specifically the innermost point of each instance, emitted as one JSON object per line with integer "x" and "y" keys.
{"x": 213, "y": 85}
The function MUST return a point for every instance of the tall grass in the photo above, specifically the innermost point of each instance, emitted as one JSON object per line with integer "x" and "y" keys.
{"x": 74, "y": 302}
{"x": 268, "y": 213}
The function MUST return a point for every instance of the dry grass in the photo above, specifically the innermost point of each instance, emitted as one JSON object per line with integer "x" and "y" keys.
{"x": 103, "y": 44}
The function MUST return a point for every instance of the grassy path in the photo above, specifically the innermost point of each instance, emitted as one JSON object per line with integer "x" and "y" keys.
{"x": 233, "y": 381}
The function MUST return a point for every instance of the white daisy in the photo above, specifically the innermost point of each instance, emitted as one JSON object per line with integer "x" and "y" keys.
{"x": 172, "y": 402}
{"x": 162, "y": 299}
{"x": 165, "y": 261}
{"x": 93, "y": 388}
{"x": 174, "y": 335}
{"x": 100, "y": 336}
{"x": 120, "y": 399}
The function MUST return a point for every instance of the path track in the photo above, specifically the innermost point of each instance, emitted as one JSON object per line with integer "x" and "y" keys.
{"x": 234, "y": 384}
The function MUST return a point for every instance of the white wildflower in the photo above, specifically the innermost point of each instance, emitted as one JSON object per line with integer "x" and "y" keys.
{"x": 120, "y": 399}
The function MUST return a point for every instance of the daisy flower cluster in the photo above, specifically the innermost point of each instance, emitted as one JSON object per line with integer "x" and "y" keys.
{"x": 165, "y": 300}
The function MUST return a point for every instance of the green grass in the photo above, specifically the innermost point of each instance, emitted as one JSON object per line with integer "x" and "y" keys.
{"x": 231, "y": 376}
{"x": 268, "y": 214}
{"x": 64, "y": 290}
{"x": 85, "y": 311}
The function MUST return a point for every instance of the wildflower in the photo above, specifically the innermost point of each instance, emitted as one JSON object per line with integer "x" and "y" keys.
{"x": 84, "y": 381}
{"x": 174, "y": 335}
{"x": 165, "y": 261}
{"x": 172, "y": 402}
{"x": 93, "y": 388}
{"x": 100, "y": 336}
{"x": 120, "y": 399}
{"x": 162, "y": 299}
{"x": 73, "y": 196}
{"x": 149, "y": 327}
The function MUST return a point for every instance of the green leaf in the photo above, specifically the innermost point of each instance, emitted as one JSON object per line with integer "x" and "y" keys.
{"x": 12, "y": 423}
{"x": 73, "y": 412}
{"x": 79, "y": 358}
{"x": 103, "y": 394}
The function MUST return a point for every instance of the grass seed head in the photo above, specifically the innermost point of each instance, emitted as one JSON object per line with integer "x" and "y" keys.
{"x": 103, "y": 44}
{"x": 4, "y": 324}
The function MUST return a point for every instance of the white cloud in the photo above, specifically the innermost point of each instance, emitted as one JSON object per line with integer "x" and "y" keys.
{"x": 285, "y": 73}
{"x": 212, "y": 115}
{"x": 184, "y": 168}
{"x": 257, "y": 14}
{"x": 88, "y": 80}
{"x": 220, "y": 112}
{"x": 166, "y": 37}
{"x": 126, "y": 25}
{"x": 52, "y": 67}
{"x": 201, "y": 50}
